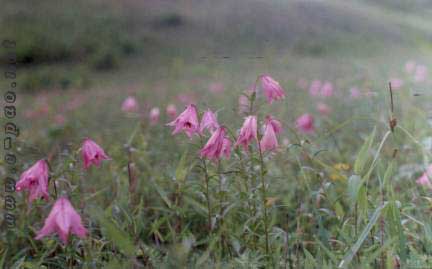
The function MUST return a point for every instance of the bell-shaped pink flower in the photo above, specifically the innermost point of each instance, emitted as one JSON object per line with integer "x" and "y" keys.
{"x": 130, "y": 105}
{"x": 209, "y": 121}
{"x": 63, "y": 220}
{"x": 424, "y": 180}
{"x": 217, "y": 146}
{"x": 327, "y": 89}
{"x": 269, "y": 141}
{"x": 35, "y": 180}
{"x": 154, "y": 115}
{"x": 187, "y": 121}
{"x": 248, "y": 132}
{"x": 305, "y": 123}
{"x": 272, "y": 90}
{"x": 92, "y": 153}
{"x": 171, "y": 111}
{"x": 315, "y": 87}
{"x": 323, "y": 109}
{"x": 277, "y": 126}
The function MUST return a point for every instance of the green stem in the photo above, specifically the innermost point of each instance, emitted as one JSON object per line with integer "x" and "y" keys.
{"x": 264, "y": 198}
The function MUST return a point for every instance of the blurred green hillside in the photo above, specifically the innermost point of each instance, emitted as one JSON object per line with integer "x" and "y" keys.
{"x": 62, "y": 42}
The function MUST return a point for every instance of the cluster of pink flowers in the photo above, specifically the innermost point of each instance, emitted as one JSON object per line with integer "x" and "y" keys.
{"x": 130, "y": 106}
{"x": 318, "y": 88}
{"x": 63, "y": 219}
{"x": 219, "y": 144}
{"x": 419, "y": 71}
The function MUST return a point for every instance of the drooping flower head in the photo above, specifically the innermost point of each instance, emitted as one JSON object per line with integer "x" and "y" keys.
{"x": 217, "y": 146}
{"x": 92, "y": 153}
{"x": 315, "y": 87}
{"x": 277, "y": 126}
{"x": 248, "y": 132}
{"x": 35, "y": 180}
{"x": 154, "y": 115}
{"x": 171, "y": 111}
{"x": 209, "y": 121}
{"x": 187, "y": 121}
{"x": 272, "y": 90}
{"x": 269, "y": 140}
{"x": 327, "y": 89}
{"x": 130, "y": 105}
{"x": 305, "y": 123}
{"x": 63, "y": 220}
{"x": 323, "y": 109}
{"x": 424, "y": 180}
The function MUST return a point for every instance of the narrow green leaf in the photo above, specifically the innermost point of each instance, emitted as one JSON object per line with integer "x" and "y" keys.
{"x": 350, "y": 254}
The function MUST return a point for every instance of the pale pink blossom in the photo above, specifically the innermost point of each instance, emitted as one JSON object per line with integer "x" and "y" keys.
{"x": 217, "y": 146}
{"x": 323, "y": 109}
{"x": 248, "y": 132}
{"x": 286, "y": 142}
{"x": 92, "y": 153}
{"x": 305, "y": 124}
{"x": 327, "y": 89}
{"x": 396, "y": 83}
{"x": 315, "y": 87}
{"x": 35, "y": 180}
{"x": 424, "y": 180}
{"x": 420, "y": 73}
{"x": 63, "y": 220}
{"x": 171, "y": 111}
{"x": 187, "y": 121}
{"x": 355, "y": 92}
{"x": 269, "y": 140}
{"x": 272, "y": 89}
{"x": 130, "y": 105}
{"x": 154, "y": 115}
{"x": 410, "y": 67}
{"x": 209, "y": 121}
{"x": 277, "y": 126}
{"x": 216, "y": 87}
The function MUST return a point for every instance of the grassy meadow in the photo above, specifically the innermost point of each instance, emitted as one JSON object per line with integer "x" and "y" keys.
{"x": 346, "y": 195}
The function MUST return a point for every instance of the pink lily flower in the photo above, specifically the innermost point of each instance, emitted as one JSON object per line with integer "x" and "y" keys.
{"x": 63, "y": 220}
{"x": 92, "y": 153}
{"x": 327, "y": 89}
{"x": 269, "y": 141}
{"x": 272, "y": 89}
{"x": 305, "y": 123}
{"x": 217, "y": 146}
{"x": 154, "y": 115}
{"x": 424, "y": 180}
{"x": 35, "y": 180}
{"x": 248, "y": 132}
{"x": 323, "y": 109}
{"x": 277, "y": 126}
{"x": 187, "y": 121}
{"x": 171, "y": 111}
{"x": 209, "y": 121}
{"x": 130, "y": 105}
